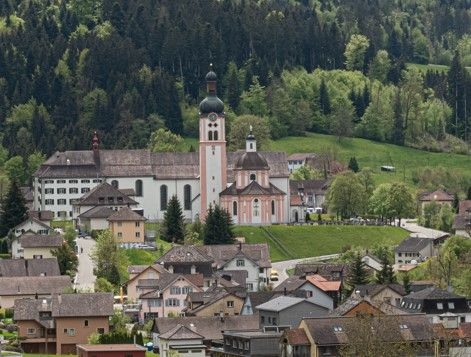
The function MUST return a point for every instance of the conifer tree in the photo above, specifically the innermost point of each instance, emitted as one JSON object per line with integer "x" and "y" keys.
{"x": 324, "y": 99}
{"x": 173, "y": 228}
{"x": 353, "y": 164}
{"x": 218, "y": 227}
{"x": 357, "y": 273}
{"x": 386, "y": 274}
{"x": 14, "y": 209}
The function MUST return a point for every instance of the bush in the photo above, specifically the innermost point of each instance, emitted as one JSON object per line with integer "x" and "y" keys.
{"x": 8, "y": 313}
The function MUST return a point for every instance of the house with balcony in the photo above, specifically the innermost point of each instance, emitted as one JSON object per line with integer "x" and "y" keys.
{"x": 56, "y": 324}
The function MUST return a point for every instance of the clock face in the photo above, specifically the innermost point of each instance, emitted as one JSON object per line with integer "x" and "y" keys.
{"x": 212, "y": 116}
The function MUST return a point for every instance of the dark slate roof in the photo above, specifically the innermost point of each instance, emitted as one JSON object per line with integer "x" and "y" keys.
{"x": 253, "y": 188}
{"x": 97, "y": 212}
{"x": 260, "y": 297}
{"x": 353, "y": 301}
{"x": 40, "y": 241}
{"x": 300, "y": 156}
{"x": 413, "y": 244}
{"x": 309, "y": 186}
{"x": 42, "y": 215}
{"x": 84, "y": 304}
{"x": 433, "y": 293}
{"x": 223, "y": 253}
{"x": 235, "y": 276}
{"x": 326, "y": 270}
{"x": 251, "y": 161}
{"x": 291, "y": 283}
{"x": 29, "y": 267}
{"x": 185, "y": 254}
{"x": 426, "y": 300}
{"x": 65, "y": 305}
{"x": 374, "y": 289}
{"x": 125, "y": 214}
{"x": 180, "y": 332}
{"x": 30, "y": 285}
{"x": 104, "y": 191}
{"x": 335, "y": 331}
{"x": 211, "y": 327}
{"x": 135, "y": 163}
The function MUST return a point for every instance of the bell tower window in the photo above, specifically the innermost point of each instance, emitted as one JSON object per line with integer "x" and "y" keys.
{"x": 210, "y": 135}
{"x": 215, "y": 135}
{"x": 234, "y": 208}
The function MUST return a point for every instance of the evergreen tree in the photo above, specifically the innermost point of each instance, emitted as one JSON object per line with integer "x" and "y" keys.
{"x": 353, "y": 164}
{"x": 14, "y": 209}
{"x": 468, "y": 193}
{"x": 324, "y": 99}
{"x": 386, "y": 274}
{"x": 357, "y": 275}
{"x": 456, "y": 202}
{"x": 218, "y": 227}
{"x": 173, "y": 228}
{"x": 406, "y": 282}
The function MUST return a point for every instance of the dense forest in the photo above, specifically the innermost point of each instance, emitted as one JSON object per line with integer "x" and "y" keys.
{"x": 126, "y": 68}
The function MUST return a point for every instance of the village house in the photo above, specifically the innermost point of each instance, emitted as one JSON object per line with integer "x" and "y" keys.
{"x": 215, "y": 301}
{"x": 29, "y": 267}
{"x": 114, "y": 350}
{"x": 55, "y": 325}
{"x": 35, "y": 246}
{"x": 462, "y": 221}
{"x": 413, "y": 250}
{"x": 141, "y": 272}
{"x": 439, "y": 196}
{"x": 390, "y": 293}
{"x": 127, "y": 226}
{"x": 34, "y": 224}
{"x": 183, "y": 341}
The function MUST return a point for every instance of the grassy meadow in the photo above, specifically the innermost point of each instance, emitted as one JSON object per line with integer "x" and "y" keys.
{"x": 292, "y": 242}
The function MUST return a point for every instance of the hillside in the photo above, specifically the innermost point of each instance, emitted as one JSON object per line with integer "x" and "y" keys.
{"x": 374, "y": 154}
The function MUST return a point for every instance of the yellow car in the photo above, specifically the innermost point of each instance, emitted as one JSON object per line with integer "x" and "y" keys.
{"x": 274, "y": 275}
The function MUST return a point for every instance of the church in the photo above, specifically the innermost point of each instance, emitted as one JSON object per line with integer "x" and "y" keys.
{"x": 252, "y": 186}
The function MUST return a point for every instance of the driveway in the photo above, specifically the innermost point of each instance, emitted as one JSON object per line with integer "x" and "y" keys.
{"x": 413, "y": 227}
{"x": 85, "y": 280}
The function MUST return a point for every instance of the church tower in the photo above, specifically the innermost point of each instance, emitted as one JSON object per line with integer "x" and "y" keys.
{"x": 212, "y": 146}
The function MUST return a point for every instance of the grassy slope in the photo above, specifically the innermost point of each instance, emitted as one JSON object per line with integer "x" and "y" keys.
{"x": 308, "y": 241}
{"x": 374, "y": 155}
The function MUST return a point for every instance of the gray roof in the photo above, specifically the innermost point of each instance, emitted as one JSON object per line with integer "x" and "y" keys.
{"x": 223, "y": 253}
{"x": 185, "y": 254}
{"x": 30, "y": 285}
{"x": 326, "y": 270}
{"x": 126, "y": 214}
{"x": 35, "y": 220}
{"x": 281, "y": 303}
{"x": 251, "y": 161}
{"x": 309, "y": 186}
{"x": 139, "y": 163}
{"x": 374, "y": 289}
{"x": 65, "y": 305}
{"x": 413, "y": 244}
{"x": 40, "y": 241}
{"x": 29, "y": 267}
{"x": 97, "y": 212}
{"x": 101, "y": 195}
{"x": 433, "y": 293}
{"x": 335, "y": 331}
{"x": 181, "y": 332}
{"x": 211, "y": 327}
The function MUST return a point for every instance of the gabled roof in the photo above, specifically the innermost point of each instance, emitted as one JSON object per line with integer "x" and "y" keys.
{"x": 29, "y": 267}
{"x": 210, "y": 327}
{"x": 253, "y": 188}
{"x": 66, "y": 305}
{"x": 327, "y": 270}
{"x": 309, "y": 186}
{"x": 300, "y": 156}
{"x": 35, "y": 220}
{"x": 381, "y": 307}
{"x": 434, "y": 293}
{"x": 374, "y": 289}
{"x": 208, "y": 298}
{"x": 465, "y": 206}
{"x": 413, "y": 244}
{"x": 180, "y": 332}
{"x": 324, "y": 284}
{"x": 97, "y": 212}
{"x": 223, "y": 253}
{"x": 437, "y": 195}
{"x": 336, "y": 331}
{"x": 101, "y": 195}
{"x": 166, "y": 280}
{"x": 296, "y": 337}
{"x": 185, "y": 254}
{"x": 42, "y": 215}
{"x": 30, "y": 285}
{"x": 40, "y": 241}
{"x": 139, "y": 269}
{"x": 126, "y": 214}
{"x": 281, "y": 303}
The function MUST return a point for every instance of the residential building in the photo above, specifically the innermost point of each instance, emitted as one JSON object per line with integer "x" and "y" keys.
{"x": 462, "y": 221}
{"x": 55, "y": 325}
{"x": 215, "y": 301}
{"x": 288, "y": 311}
{"x": 183, "y": 341}
{"x": 34, "y": 225}
{"x": 414, "y": 250}
{"x": 141, "y": 272}
{"x": 255, "y": 298}
{"x": 211, "y": 328}
{"x": 437, "y": 304}
{"x": 35, "y": 246}
{"x": 127, "y": 226}
{"x": 356, "y": 305}
{"x": 297, "y": 160}
{"x": 198, "y": 179}
{"x": 390, "y": 293}
{"x": 330, "y": 271}
{"x": 313, "y": 192}
{"x": 439, "y": 196}
{"x": 114, "y": 350}
{"x": 249, "y": 343}
{"x": 29, "y": 267}
{"x": 294, "y": 343}
{"x": 94, "y": 219}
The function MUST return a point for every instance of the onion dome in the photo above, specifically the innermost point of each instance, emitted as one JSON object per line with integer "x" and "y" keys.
{"x": 211, "y": 104}
{"x": 251, "y": 161}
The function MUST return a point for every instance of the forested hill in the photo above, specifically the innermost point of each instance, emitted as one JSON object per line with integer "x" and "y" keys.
{"x": 125, "y": 68}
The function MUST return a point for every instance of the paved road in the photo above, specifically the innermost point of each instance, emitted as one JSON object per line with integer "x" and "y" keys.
{"x": 285, "y": 265}
{"x": 85, "y": 280}
{"x": 413, "y": 227}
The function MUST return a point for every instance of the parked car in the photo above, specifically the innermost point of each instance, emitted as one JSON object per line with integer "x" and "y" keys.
{"x": 274, "y": 275}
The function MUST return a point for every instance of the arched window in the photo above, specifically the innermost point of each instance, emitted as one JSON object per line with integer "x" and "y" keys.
{"x": 234, "y": 208}
{"x": 138, "y": 188}
{"x": 256, "y": 208}
{"x": 273, "y": 207}
{"x": 215, "y": 135}
{"x": 210, "y": 135}
{"x": 115, "y": 183}
{"x": 187, "y": 197}
{"x": 253, "y": 177}
{"x": 163, "y": 197}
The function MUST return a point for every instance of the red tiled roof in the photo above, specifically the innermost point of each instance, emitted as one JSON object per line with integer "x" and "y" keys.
{"x": 297, "y": 337}
{"x": 323, "y": 284}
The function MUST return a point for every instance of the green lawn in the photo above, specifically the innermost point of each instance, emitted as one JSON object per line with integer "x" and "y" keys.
{"x": 147, "y": 257}
{"x": 374, "y": 155}
{"x": 308, "y": 241}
